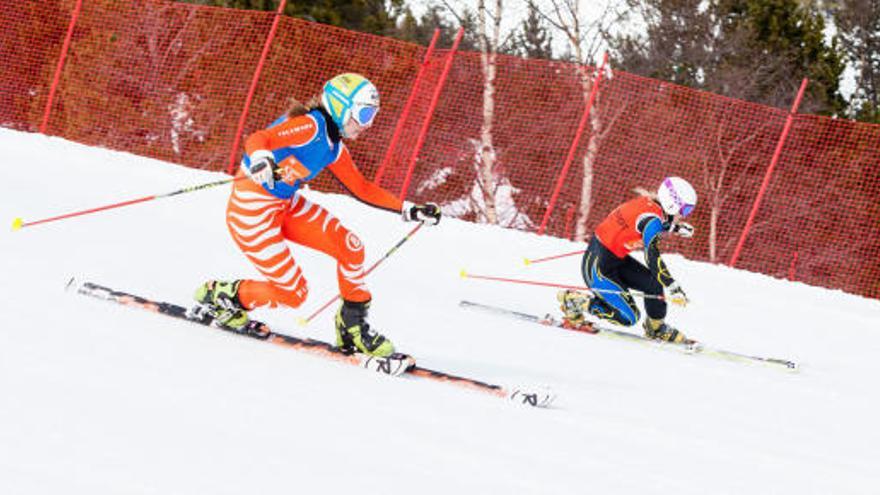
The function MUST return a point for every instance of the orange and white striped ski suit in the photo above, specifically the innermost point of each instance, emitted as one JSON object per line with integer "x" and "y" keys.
{"x": 261, "y": 219}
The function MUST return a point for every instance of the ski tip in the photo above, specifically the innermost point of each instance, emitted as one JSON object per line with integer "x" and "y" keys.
{"x": 17, "y": 223}
{"x": 71, "y": 283}
{"x": 527, "y": 261}
{"x": 462, "y": 273}
{"x": 536, "y": 397}
{"x": 692, "y": 346}
{"x": 394, "y": 365}
{"x": 303, "y": 322}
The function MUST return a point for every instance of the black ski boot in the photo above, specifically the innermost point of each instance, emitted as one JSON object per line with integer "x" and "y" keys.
{"x": 353, "y": 333}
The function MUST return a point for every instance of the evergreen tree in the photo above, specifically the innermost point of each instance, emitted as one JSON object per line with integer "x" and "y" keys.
{"x": 758, "y": 50}
{"x": 383, "y": 17}
{"x": 677, "y": 43}
{"x": 858, "y": 23}
{"x": 533, "y": 40}
{"x": 369, "y": 16}
{"x": 796, "y": 31}
{"x": 422, "y": 30}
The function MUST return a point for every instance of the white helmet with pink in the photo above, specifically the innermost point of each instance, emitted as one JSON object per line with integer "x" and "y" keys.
{"x": 677, "y": 196}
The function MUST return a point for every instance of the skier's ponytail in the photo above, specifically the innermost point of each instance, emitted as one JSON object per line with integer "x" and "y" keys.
{"x": 641, "y": 191}
{"x": 296, "y": 108}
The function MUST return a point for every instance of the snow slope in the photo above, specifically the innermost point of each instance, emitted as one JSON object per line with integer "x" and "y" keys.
{"x": 100, "y": 399}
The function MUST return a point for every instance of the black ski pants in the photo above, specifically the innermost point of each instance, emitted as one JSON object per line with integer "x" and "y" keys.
{"x": 611, "y": 278}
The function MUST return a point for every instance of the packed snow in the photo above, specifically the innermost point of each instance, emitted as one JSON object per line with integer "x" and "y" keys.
{"x": 97, "y": 398}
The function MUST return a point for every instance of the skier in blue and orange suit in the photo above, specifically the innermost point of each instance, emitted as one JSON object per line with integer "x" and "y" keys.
{"x": 268, "y": 210}
{"x": 610, "y": 272}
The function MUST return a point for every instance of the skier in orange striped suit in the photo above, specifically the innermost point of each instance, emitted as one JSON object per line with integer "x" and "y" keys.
{"x": 610, "y": 272}
{"x": 268, "y": 210}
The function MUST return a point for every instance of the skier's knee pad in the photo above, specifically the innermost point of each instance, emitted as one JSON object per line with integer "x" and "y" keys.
{"x": 350, "y": 249}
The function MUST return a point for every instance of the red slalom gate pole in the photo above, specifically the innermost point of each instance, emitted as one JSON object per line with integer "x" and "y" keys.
{"x": 18, "y": 223}
{"x": 776, "y": 154}
{"x": 306, "y": 321}
{"x": 406, "y": 108}
{"x": 465, "y": 274}
{"x": 230, "y": 167}
{"x": 435, "y": 98}
{"x": 65, "y": 47}
{"x": 528, "y": 261}
{"x": 597, "y": 80}
{"x": 792, "y": 267}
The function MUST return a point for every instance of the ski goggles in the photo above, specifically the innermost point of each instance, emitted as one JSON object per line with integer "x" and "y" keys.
{"x": 364, "y": 114}
{"x": 686, "y": 210}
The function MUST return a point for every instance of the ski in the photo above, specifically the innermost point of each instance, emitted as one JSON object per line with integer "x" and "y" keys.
{"x": 690, "y": 347}
{"x": 395, "y": 365}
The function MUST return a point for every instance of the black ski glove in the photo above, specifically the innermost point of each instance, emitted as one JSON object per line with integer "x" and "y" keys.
{"x": 428, "y": 213}
{"x": 263, "y": 168}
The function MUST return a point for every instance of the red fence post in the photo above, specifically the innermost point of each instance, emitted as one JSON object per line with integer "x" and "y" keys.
{"x": 230, "y": 168}
{"x": 571, "y": 150}
{"x": 792, "y": 269}
{"x": 427, "y": 123}
{"x": 57, "y": 77}
{"x": 769, "y": 173}
{"x": 406, "y": 108}
{"x": 569, "y": 216}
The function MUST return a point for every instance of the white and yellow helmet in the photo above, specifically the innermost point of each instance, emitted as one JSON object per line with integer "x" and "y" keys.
{"x": 350, "y": 96}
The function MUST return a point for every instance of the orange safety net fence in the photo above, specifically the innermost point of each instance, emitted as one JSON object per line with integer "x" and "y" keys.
{"x": 169, "y": 80}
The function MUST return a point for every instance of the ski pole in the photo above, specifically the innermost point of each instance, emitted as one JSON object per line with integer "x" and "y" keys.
{"x": 18, "y": 223}
{"x": 465, "y": 274}
{"x": 306, "y": 321}
{"x": 527, "y": 261}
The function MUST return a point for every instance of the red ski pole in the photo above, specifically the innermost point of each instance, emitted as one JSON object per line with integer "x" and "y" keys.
{"x": 528, "y": 261}
{"x": 18, "y": 223}
{"x": 306, "y": 321}
{"x": 465, "y": 274}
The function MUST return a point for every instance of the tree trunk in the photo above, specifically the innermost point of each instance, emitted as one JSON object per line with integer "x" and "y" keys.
{"x": 713, "y": 231}
{"x": 487, "y": 151}
{"x": 580, "y": 233}
{"x": 486, "y": 159}
{"x": 586, "y": 201}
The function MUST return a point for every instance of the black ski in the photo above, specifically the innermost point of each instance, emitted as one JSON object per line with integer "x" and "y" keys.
{"x": 395, "y": 365}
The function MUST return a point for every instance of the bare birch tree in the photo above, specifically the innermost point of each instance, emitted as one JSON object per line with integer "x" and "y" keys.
{"x": 173, "y": 42}
{"x": 858, "y": 22}
{"x": 726, "y": 165}
{"x": 584, "y": 40}
{"x": 489, "y": 41}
